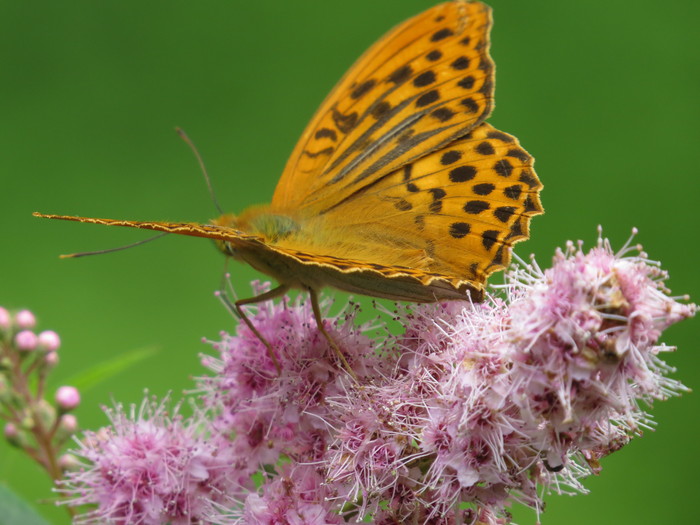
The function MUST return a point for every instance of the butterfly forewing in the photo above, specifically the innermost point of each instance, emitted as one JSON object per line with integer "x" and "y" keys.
{"x": 426, "y": 83}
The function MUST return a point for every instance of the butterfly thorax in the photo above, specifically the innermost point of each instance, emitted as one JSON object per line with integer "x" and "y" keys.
{"x": 257, "y": 220}
{"x": 259, "y": 225}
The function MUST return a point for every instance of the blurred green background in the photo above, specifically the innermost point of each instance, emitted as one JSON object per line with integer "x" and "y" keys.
{"x": 603, "y": 93}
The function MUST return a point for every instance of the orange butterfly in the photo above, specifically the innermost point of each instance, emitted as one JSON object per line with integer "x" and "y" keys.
{"x": 397, "y": 188}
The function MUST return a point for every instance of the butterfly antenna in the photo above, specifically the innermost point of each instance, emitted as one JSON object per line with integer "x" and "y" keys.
{"x": 189, "y": 142}
{"x": 110, "y": 250}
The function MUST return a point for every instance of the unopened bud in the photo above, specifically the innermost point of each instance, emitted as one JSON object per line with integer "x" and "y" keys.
{"x": 68, "y": 462}
{"x": 25, "y": 320}
{"x": 51, "y": 359}
{"x": 67, "y": 426}
{"x": 46, "y": 413}
{"x": 26, "y": 340}
{"x": 49, "y": 341}
{"x": 13, "y": 435}
{"x": 5, "y": 321}
{"x": 67, "y": 398}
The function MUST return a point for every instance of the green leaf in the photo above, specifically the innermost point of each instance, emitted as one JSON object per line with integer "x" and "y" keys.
{"x": 14, "y": 510}
{"x": 99, "y": 373}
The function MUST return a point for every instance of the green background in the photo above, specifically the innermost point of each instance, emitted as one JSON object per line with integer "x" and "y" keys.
{"x": 603, "y": 93}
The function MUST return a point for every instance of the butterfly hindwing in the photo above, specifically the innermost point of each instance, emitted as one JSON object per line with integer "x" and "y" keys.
{"x": 456, "y": 211}
{"x": 425, "y": 83}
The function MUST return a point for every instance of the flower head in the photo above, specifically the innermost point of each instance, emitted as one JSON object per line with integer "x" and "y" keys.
{"x": 269, "y": 413}
{"x": 151, "y": 467}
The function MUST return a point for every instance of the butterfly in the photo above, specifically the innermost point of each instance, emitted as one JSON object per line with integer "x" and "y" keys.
{"x": 398, "y": 188}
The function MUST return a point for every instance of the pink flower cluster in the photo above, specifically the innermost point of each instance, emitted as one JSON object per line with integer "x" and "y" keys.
{"x": 152, "y": 467}
{"x": 474, "y": 407}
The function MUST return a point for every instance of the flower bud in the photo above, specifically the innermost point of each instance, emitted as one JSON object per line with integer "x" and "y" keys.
{"x": 26, "y": 340}
{"x": 25, "y": 320}
{"x": 68, "y": 462}
{"x": 49, "y": 341}
{"x": 5, "y": 320}
{"x": 51, "y": 359}
{"x": 13, "y": 435}
{"x": 11, "y": 431}
{"x": 67, "y": 398}
{"x": 67, "y": 426}
{"x": 69, "y": 423}
{"x": 46, "y": 413}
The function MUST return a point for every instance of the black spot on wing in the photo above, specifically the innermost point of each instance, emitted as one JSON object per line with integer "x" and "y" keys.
{"x": 483, "y": 189}
{"x": 459, "y": 229}
{"x": 313, "y": 154}
{"x": 499, "y": 135}
{"x": 438, "y": 194}
{"x": 434, "y": 55}
{"x": 460, "y": 63}
{"x": 326, "y": 133}
{"x": 467, "y": 82}
{"x": 489, "y": 238}
{"x": 462, "y": 173}
{"x": 401, "y": 75}
{"x": 380, "y": 109}
{"x": 424, "y": 79}
{"x": 362, "y": 89}
{"x": 471, "y": 105}
{"x": 503, "y": 168}
{"x": 504, "y": 213}
{"x": 485, "y": 148}
{"x": 403, "y": 205}
{"x": 528, "y": 178}
{"x": 518, "y": 154}
{"x": 513, "y": 192}
{"x": 476, "y": 207}
{"x": 345, "y": 123}
{"x": 441, "y": 35}
{"x": 450, "y": 157}
{"x": 442, "y": 114}
{"x": 427, "y": 98}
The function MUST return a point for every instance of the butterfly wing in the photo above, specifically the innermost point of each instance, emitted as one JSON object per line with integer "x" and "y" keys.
{"x": 424, "y": 84}
{"x": 455, "y": 212}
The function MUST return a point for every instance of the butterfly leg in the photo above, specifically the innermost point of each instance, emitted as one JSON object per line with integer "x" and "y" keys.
{"x": 313, "y": 295}
{"x": 271, "y": 294}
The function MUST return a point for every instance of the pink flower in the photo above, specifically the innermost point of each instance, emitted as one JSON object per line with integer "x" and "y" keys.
{"x": 585, "y": 346}
{"x": 296, "y": 496}
{"x": 150, "y": 467}
{"x": 272, "y": 414}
